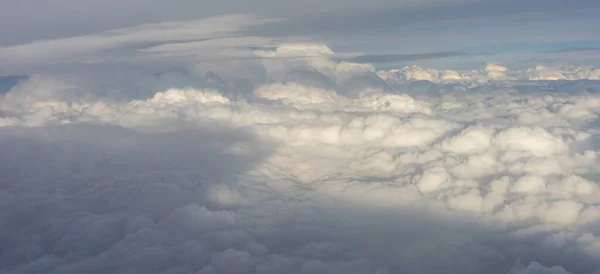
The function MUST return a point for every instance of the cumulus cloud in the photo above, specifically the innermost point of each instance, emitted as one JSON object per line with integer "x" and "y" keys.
{"x": 536, "y": 267}
{"x": 314, "y": 168}
{"x": 490, "y": 72}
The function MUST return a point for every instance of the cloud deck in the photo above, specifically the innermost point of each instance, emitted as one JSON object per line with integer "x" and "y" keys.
{"x": 484, "y": 171}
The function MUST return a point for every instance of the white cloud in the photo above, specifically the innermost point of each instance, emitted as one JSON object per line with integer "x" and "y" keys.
{"x": 293, "y": 177}
{"x": 490, "y": 72}
{"x": 537, "y": 268}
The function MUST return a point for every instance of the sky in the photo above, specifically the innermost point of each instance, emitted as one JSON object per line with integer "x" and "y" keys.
{"x": 307, "y": 137}
{"x": 482, "y": 30}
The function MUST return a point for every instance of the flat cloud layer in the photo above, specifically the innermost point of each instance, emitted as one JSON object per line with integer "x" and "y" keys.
{"x": 313, "y": 166}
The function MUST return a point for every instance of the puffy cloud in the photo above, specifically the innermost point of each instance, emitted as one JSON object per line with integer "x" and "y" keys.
{"x": 471, "y": 140}
{"x": 566, "y": 73}
{"x": 295, "y": 174}
{"x": 495, "y": 71}
{"x": 535, "y": 140}
{"x": 537, "y": 268}
{"x": 490, "y": 72}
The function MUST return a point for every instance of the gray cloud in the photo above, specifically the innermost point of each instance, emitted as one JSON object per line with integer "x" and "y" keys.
{"x": 413, "y": 25}
{"x": 574, "y": 49}
{"x": 64, "y": 18}
{"x": 8, "y": 82}
{"x": 297, "y": 177}
{"x": 400, "y": 21}
{"x": 391, "y": 58}
{"x": 191, "y": 147}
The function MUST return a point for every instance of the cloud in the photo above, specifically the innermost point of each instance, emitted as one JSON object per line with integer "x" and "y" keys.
{"x": 69, "y": 34}
{"x": 536, "y": 267}
{"x": 390, "y": 58}
{"x": 490, "y": 72}
{"x": 575, "y": 49}
{"x": 73, "y": 18}
{"x": 69, "y": 50}
{"x": 440, "y": 16}
{"x": 8, "y": 82}
{"x": 311, "y": 167}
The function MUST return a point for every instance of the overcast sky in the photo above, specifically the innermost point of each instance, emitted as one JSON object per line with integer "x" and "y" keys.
{"x": 501, "y": 28}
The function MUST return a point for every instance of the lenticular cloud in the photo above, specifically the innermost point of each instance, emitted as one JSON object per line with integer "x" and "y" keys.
{"x": 489, "y": 171}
